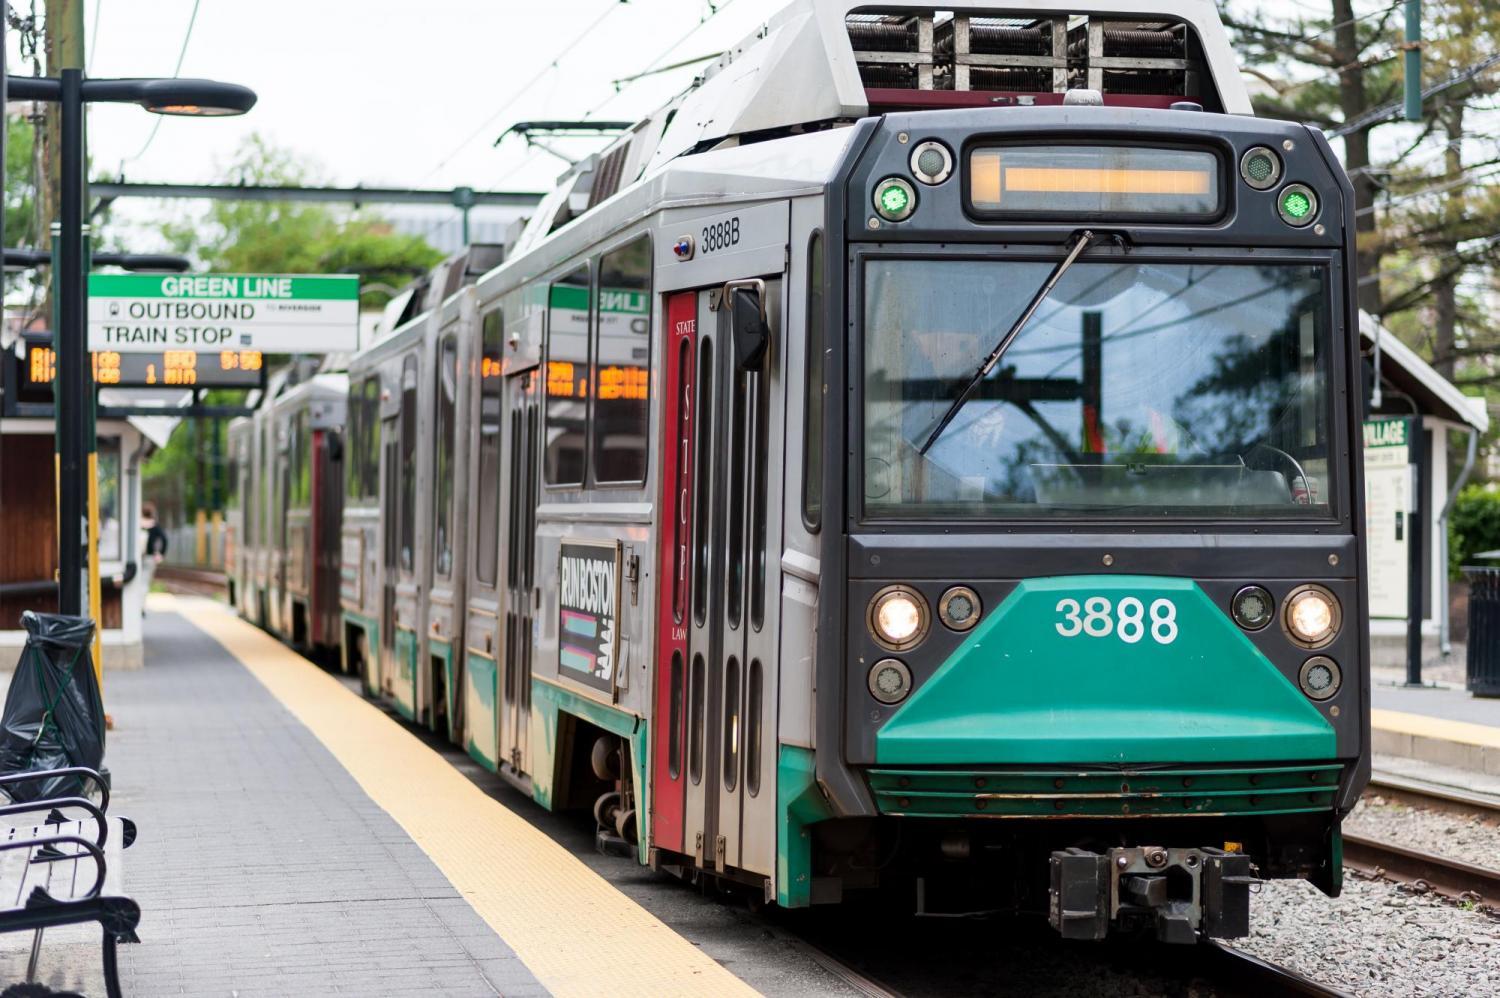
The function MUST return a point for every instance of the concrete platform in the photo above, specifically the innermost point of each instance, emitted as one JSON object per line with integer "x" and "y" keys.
{"x": 295, "y": 840}
{"x": 1440, "y": 724}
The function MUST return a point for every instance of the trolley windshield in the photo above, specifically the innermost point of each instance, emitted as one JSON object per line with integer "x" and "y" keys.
{"x": 1138, "y": 389}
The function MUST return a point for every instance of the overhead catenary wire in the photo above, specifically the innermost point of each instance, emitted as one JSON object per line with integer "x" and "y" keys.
{"x": 654, "y": 66}
{"x": 93, "y": 38}
{"x": 1388, "y": 111}
{"x": 176, "y": 70}
{"x": 623, "y": 84}
{"x": 517, "y": 94}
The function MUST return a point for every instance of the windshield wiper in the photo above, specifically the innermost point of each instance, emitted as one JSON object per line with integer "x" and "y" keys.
{"x": 980, "y": 373}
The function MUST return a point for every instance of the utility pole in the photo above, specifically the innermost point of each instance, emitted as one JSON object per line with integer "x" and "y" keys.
{"x": 1353, "y": 102}
{"x": 1412, "y": 61}
{"x": 64, "y": 50}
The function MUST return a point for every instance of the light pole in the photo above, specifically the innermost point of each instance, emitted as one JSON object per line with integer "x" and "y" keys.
{"x": 73, "y": 397}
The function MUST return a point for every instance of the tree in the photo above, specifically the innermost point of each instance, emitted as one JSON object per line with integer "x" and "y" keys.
{"x": 293, "y": 237}
{"x": 1354, "y": 65}
{"x": 1425, "y": 196}
{"x": 271, "y": 237}
{"x": 20, "y": 185}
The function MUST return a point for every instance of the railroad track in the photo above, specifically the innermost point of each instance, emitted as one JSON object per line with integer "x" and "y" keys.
{"x": 980, "y": 957}
{"x": 1250, "y": 974}
{"x": 1450, "y": 877}
{"x": 193, "y": 581}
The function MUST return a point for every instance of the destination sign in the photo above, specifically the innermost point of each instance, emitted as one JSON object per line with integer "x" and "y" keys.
{"x": 271, "y": 313}
{"x": 166, "y": 368}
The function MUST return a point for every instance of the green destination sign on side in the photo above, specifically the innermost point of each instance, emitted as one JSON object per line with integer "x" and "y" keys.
{"x": 272, "y": 313}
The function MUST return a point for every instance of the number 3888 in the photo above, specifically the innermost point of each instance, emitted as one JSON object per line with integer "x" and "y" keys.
{"x": 1129, "y": 620}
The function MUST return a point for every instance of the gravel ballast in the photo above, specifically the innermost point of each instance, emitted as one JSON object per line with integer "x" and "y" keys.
{"x": 1377, "y": 939}
{"x": 1473, "y": 839}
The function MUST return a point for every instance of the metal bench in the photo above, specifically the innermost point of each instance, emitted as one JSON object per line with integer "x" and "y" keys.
{"x": 60, "y": 864}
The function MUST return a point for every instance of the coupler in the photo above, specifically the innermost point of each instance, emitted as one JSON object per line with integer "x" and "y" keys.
{"x": 1183, "y": 892}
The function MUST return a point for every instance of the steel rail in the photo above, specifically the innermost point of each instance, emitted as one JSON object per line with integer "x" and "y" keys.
{"x": 1449, "y": 877}
{"x": 1252, "y": 975}
{"x": 196, "y": 581}
{"x": 838, "y": 968}
{"x": 1452, "y": 878}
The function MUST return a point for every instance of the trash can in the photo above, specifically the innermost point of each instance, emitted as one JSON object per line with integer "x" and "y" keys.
{"x": 54, "y": 716}
{"x": 1484, "y": 631}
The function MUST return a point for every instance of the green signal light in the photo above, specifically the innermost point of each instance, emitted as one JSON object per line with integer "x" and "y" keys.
{"x": 895, "y": 199}
{"x": 1298, "y": 205}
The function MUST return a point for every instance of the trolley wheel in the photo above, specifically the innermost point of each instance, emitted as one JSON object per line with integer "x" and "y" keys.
{"x": 625, "y": 824}
{"x": 605, "y": 758}
{"x": 605, "y": 807}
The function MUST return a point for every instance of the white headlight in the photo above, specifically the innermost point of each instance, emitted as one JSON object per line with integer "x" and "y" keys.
{"x": 1312, "y": 616}
{"x": 898, "y": 617}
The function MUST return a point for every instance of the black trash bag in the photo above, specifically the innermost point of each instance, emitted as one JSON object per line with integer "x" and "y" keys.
{"x": 54, "y": 716}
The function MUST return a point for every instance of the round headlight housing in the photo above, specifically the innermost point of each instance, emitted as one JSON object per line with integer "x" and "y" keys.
{"x": 931, "y": 162}
{"x": 895, "y": 199}
{"x": 1320, "y": 677}
{"x": 1260, "y": 168}
{"x": 1311, "y": 616}
{"x": 890, "y": 681}
{"x": 1253, "y": 608}
{"x": 898, "y": 618}
{"x": 959, "y": 609}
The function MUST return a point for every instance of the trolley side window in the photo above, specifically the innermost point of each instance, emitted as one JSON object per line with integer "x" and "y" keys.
{"x": 354, "y": 435}
{"x": 812, "y": 413}
{"x": 568, "y": 309}
{"x": 446, "y": 385}
{"x": 490, "y": 408}
{"x": 301, "y": 466}
{"x": 369, "y": 451}
{"x": 622, "y": 364}
{"x": 408, "y": 509}
{"x": 361, "y": 453}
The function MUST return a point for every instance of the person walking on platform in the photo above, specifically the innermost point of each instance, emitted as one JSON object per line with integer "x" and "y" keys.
{"x": 156, "y": 543}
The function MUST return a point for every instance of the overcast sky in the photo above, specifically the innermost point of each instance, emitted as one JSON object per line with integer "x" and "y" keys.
{"x": 384, "y": 92}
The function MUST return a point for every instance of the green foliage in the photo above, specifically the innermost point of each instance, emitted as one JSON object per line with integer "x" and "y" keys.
{"x": 1473, "y": 526}
{"x": 270, "y": 237}
{"x": 293, "y": 237}
{"x": 20, "y": 192}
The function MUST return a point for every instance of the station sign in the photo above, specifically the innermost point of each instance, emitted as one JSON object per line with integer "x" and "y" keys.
{"x": 164, "y": 368}
{"x": 1390, "y": 494}
{"x": 215, "y": 313}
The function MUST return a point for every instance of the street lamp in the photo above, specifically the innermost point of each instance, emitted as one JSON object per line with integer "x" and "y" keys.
{"x": 27, "y": 259}
{"x": 73, "y": 390}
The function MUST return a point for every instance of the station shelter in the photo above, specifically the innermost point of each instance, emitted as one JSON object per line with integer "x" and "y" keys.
{"x": 28, "y": 508}
{"x": 1412, "y": 393}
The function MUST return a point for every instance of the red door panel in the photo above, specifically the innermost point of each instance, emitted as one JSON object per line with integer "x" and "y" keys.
{"x": 668, "y": 742}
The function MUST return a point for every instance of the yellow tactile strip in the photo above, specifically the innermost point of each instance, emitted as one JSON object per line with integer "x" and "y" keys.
{"x": 578, "y": 934}
{"x": 1423, "y": 726}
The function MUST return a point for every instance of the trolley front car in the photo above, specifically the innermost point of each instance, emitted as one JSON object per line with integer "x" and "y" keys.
{"x": 1099, "y": 543}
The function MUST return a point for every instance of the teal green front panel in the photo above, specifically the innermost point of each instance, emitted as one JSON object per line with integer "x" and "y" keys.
{"x": 1041, "y": 680}
{"x": 799, "y": 805}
